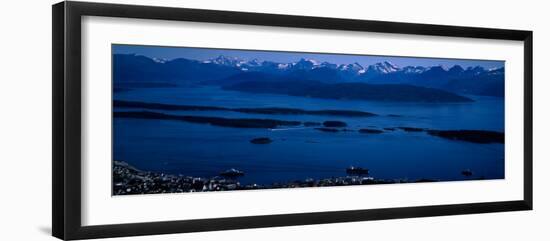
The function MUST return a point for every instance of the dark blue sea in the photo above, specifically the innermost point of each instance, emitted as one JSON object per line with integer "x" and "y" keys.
{"x": 298, "y": 153}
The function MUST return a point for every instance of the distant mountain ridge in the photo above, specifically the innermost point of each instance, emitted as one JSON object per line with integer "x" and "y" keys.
{"x": 349, "y": 91}
{"x": 225, "y": 70}
{"x": 138, "y": 68}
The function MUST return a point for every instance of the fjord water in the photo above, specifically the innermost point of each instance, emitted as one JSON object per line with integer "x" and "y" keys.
{"x": 298, "y": 153}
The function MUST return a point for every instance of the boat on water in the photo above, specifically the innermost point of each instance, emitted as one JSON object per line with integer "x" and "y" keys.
{"x": 261, "y": 140}
{"x": 467, "y": 172}
{"x": 232, "y": 173}
{"x": 357, "y": 171}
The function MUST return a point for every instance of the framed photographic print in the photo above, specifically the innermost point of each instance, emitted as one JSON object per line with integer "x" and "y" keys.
{"x": 170, "y": 120}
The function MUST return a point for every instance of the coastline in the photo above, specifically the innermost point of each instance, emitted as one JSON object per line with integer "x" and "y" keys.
{"x": 128, "y": 180}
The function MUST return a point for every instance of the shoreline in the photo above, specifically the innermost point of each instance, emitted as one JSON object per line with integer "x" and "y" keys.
{"x": 128, "y": 180}
{"x": 260, "y": 110}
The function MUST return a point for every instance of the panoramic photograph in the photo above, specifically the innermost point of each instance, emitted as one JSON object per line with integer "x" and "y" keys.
{"x": 189, "y": 119}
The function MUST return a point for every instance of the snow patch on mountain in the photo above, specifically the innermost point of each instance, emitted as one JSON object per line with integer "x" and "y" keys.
{"x": 383, "y": 68}
{"x": 160, "y": 60}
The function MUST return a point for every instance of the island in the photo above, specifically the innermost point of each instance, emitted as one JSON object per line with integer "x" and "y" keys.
{"x": 216, "y": 121}
{"x": 411, "y": 129}
{"x": 370, "y": 131}
{"x": 476, "y": 136}
{"x": 325, "y": 129}
{"x": 265, "y": 111}
{"x": 334, "y": 124}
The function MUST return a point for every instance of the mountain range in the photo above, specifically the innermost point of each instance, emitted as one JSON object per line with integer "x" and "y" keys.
{"x": 226, "y": 71}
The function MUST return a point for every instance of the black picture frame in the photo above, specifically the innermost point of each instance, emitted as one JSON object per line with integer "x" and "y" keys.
{"x": 66, "y": 128}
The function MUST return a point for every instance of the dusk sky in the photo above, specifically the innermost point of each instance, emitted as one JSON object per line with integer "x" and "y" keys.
{"x": 287, "y": 57}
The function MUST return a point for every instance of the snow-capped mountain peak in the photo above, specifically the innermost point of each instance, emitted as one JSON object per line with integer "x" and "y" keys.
{"x": 413, "y": 69}
{"x": 254, "y": 62}
{"x": 283, "y": 66}
{"x": 311, "y": 61}
{"x": 381, "y": 71}
{"x": 439, "y": 68}
{"x": 391, "y": 65}
{"x": 160, "y": 60}
{"x": 228, "y": 61}
{"x": 383, "y": 68}
{"x": 327, "y": 65}
{"x": 456, "y": 69}
{"x": 305, "y": 64}
{"x": 355, "y": 68}
{"x": 475, "y": 70}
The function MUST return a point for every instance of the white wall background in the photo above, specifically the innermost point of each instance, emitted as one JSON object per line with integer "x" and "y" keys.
{"x": 25, "y": 122}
